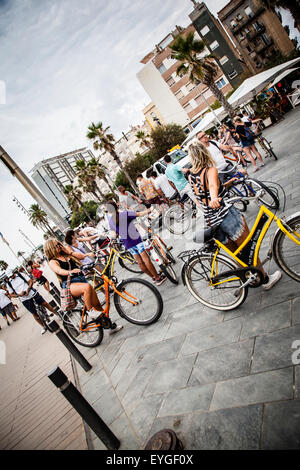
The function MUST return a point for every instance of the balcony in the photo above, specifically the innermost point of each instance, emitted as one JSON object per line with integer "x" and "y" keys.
{"x": 262, "y": 47}
{"x": 248, "y": 20}
{"x": 260, "y": 30}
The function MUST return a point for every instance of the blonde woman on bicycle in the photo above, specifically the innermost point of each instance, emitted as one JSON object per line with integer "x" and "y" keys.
{"x": 230, "y": 226}
{"x": 62, "y": 261}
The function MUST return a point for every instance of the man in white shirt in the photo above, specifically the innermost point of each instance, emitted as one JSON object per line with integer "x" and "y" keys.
{"x": 163, "y": 186}
{"x": 128, "y": 200}
{"x": 7, "y": 308}
{"x": 20, "y": 286}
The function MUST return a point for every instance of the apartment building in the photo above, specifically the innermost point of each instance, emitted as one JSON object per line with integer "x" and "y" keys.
{"x": 53, "y": 174}
{"x": 153, "y": 117}
{"x": 212, "y": 32}
{"x": 177, "y": 99}
{"x": 256, "y": 31}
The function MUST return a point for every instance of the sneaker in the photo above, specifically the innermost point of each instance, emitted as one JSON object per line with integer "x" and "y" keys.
{"x": 43, "y": 331}
{"x": 255, "y": 169}
{"x": 161, "y": 279}
{"x": 273, "y": 278}
{"x": 262, "y": 164}
{"x": 93, "y": 313}
{"x": 115, "y": 330}
{"x": 154, "y": 280}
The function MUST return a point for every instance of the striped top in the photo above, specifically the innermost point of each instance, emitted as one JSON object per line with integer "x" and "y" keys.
{"x": 213, "y": 217}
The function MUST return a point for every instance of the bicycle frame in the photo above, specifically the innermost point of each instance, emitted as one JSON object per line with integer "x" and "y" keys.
{"x": 247, "y": 253}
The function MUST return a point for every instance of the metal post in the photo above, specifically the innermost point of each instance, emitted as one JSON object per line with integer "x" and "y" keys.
{"x": 85, "y": 410}
{"x": 56, "y": 329}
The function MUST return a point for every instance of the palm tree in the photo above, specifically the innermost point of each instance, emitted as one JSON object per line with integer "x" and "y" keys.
{"x": 142, "y": 138}
{"x": 74, "y": 197}
{"x": 292, "y": 5}
{"x": 200, "y": 69}
{"x": 103, "y": 140}
{"x": 20, "y": 255}
{"x": 3, "y": 265}
{"x": 39, "y": 218}
{"x": 87, "y": 180}
{"x": 100, "y": 171}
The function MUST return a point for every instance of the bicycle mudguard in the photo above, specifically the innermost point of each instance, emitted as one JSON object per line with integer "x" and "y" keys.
{"x": 278, "y": 231}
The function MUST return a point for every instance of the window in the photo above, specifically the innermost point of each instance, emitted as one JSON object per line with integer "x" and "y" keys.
{"x": 214, "y": 45}
{"x": 190, "y": 86}
{"x": 161, "y": 68}
{"x": 233, "y": 23}
{"x": 179, "y": 95}
{"x": 232, "y": 74}
{"x": 223, "y": 60}
{"x": 221, "y": 83}
{"x": 188, "y": 108}
{"x": 249, "y": 12}
{"x": 248, "y": 48}
{"x": 239, "y": 17}
{"x": 170, "y": 81}
{"x": 204, "y": 30}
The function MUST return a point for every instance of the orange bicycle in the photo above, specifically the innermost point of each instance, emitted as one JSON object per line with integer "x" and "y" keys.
{"x": 135, "y": 300}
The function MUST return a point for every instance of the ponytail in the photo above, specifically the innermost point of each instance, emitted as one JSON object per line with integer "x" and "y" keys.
{"x": 116, "y": 218}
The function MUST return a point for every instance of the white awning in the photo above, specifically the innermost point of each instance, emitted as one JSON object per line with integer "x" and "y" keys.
{"x": 282, "y": 75}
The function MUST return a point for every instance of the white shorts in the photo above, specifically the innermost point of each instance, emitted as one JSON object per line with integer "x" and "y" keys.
{"x": 188, "y": 190}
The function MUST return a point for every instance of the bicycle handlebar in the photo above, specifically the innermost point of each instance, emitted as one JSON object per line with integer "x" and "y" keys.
{"x": 229, "y": 202}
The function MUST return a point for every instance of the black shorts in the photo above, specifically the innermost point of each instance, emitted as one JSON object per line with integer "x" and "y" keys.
{"x": 42, "y": 280}
{"x": 29, "y": 304}
{"x": 229, "y": 172}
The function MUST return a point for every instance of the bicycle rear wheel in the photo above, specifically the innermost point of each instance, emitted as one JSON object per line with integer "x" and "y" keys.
{"x": 240, "y": 205}
{"x": 149, "y": 302}
{"x": 129, "y": 262}
{"x": 43, "y": 316}
{"x": 267, "y": 147}
{"x": 177, "y": 219}
{"x": 89, "y": 339}
{"x": 268, "y": 198}
{"x": 286, "y": 252}
{"x": 222, "y": 297}
{"x": 169, "y": 273}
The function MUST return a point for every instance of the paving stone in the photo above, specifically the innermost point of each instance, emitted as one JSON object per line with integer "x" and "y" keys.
{"x": 281, "y": 426}
{"x": 187, "y": 400}
{"x": 251, "y": 304}
{"x": 95, "y": 387}
{"x": 170, "y": 374}
{"x": 280, "y": 292}
{"x": 144, "y": 413}
{"x": 121, "y": 367}
{"x": 108, "y": 406}
{"x": 122, "y": 428}
{"x": 231, "y": 429}
{"x": 257, "y": 388}
{"x": 274, "y": 350}
{"x": 149, "y": 337}
{"x": 222, "y": 363}
{"x": 296, "y": 310}
{"x": 196, "y": 320}
{"x": 267, "y": 320}
{"x": 297, "y": 382}
{"x": 212, "y": 336}
{"x": 159, "y": 352}
{"x": 137, "y": 387}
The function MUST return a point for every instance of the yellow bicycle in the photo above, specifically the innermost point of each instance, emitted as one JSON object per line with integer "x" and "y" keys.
{"x": 221, "y": 281}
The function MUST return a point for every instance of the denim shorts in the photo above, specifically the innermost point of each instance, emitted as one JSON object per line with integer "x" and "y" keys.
{"x": 78, "y": 279}
{"x": 29, "y": 304}
{"x": 137, "y": 249}
{"x": 232, "y": 226}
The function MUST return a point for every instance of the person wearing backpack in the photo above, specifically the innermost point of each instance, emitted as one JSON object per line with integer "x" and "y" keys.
{"x": 20, "y": 286}
{"x": 33, "y": 268}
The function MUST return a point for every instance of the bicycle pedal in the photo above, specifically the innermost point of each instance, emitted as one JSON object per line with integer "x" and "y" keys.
{"x": 169, "y": 248}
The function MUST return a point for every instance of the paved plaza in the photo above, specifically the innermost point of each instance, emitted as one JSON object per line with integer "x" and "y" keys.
{"x": 219, "y": 380}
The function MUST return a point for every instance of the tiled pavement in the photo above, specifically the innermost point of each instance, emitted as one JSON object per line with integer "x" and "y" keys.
{"x": 220, "y": 380}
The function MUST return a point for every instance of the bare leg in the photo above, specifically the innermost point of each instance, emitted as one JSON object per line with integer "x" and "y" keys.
{"x": 47, "y": 286}
{"x": 35, "y": 316}
{"x": 254, "y": 150}
{"x": 89, "y": 295}
{"x": 143, "y": 265}
{"x": 248, "y": 153}
{"x": 149, "y": 265}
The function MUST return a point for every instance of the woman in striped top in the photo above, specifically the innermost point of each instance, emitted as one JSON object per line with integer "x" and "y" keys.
{"x": 231, "y": 227}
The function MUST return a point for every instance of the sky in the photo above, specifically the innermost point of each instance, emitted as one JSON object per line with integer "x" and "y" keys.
{"x": 64, "y": 64}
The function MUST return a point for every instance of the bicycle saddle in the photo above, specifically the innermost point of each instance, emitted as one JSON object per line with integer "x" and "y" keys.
{"x": 204, "y": 235}
{"x": 87, "y": 267}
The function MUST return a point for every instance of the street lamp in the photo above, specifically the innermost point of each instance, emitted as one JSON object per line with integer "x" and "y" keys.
{"x": 33, "y": 190}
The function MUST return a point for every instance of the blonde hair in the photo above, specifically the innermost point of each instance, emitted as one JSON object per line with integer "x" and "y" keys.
{"x": 238, "y": 119}
{"x": 50, "y": 249}
{"x": 200, "y": 156}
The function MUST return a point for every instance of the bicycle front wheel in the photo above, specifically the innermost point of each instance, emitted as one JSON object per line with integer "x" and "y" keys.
{"x": 169, "y": 272}
{"x": 268, "y": 198}
{"x": 43, "y": 316}
{"x": 240, "y": 205}
{"x": 287, "y": 252}
{"x": 89, "y": 339}
{"x": 142, "y": 303}
{"x": 223, "y": 296}
{"x": 129, "y": 262}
